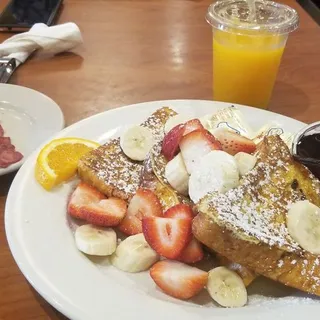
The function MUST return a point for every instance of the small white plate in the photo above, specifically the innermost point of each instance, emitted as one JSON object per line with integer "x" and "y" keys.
{"x": 43, "y": 244}
{"x": 28, "y": 117}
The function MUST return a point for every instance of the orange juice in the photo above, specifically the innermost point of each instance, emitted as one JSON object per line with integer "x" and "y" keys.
{"x": 249, "y": 37}
{"x": 245, "y": 67}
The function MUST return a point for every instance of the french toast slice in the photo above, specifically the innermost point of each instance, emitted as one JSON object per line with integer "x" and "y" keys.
{"x": 109, "y": 170}
{"x": 247, "y": 225}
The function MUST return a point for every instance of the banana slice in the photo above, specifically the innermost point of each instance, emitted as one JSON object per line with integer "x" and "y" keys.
{"x": 96, "y": 241}
{"x": 175, "y": 120}
{"x": 136, "y": 142}
{"x": 303, "y": 222}
{"x": 247, "y": 275}
{"x": 245, "y": 161}
{"x": 134, "y": 254}
{"x": 226, "y": 288}
{"x": 216, "y": 171}
{"x": 177, "y": 174}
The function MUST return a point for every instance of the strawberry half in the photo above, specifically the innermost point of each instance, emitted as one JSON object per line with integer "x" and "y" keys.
{"x": 192, "y": 125}
{"x": 195, "y": 145}
{"x": 106, "y": 213}
{"x": 89, "y": 204}
{"x": 83, "y": 195}
{"x": 177, "y": 279}
{"x": 170, "y": 143}
{"x": 192, "y": 253}
{"x": 142, "y": 205}
{"x": 167, "y": 236}
{"x": 179, "y": 211}
{"x": 233, "y": 143}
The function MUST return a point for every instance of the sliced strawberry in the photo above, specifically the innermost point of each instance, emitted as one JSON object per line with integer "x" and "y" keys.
{"x": 106, "y": 212}
{"x": 177, "y": 279}
{"x": 89, "y": 204}
{"x": 170, "y": 143}
{"x": 167, "y": 236}
{"x": 192, "y": 125}
{"x": 143, "y": 204}
{"x": 233, "y": 143}
{"x": 192, "y": 253}
{"x": 179, "y": 211}
{"x": 195, "y": 145}
{"x": 83, "y": 195}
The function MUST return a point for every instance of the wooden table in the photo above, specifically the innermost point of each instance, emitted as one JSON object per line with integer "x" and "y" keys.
{"x": 138, "y": 51}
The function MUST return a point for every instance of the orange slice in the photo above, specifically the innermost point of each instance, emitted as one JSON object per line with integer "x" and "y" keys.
{"x": 58, "y": 160}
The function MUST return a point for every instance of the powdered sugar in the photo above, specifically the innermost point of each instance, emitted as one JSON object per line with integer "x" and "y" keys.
{"x": 157, "y": 121}
{"x": 280, "y": 263}
{"x": 113, "y": 168}
{"x": 158, "y": 162}
{"x": 271, "y": 302}
{"x": 259, "y": 205}
{"x": 258, "y": 209}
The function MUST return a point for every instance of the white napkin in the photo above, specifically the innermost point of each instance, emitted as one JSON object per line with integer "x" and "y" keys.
{"x": 51, "y": 40}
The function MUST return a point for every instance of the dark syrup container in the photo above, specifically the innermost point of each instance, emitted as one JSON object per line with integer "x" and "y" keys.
{"x": 306, "y": 147}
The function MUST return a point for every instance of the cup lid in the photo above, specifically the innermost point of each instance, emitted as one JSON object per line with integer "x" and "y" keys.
{"x": 266, "y": 16}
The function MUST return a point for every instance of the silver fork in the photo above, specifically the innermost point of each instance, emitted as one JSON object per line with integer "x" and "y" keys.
{"x": 7, "y": 67}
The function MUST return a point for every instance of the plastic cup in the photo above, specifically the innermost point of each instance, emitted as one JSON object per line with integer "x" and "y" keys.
{"x": 247, "y": 48}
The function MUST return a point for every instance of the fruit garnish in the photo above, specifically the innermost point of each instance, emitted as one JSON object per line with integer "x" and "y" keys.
{"x": 136, "y": 142}
{"x": 88, "y": 204}
{"x": 216, "y": 171}
{"x": 83, "y": 195}
{"x": 226, "y": 287}
{"x": 134, "y": 254}
{"x": 192, "y": 125}
{"x": 143, "y": 204}
{"x": 167, "y": 236}
{"x": 107, "y": 212}
{"x": 195, "y": 145}
{"x": 303, "y": 225}
{"x": 57, "y": 161}
{"x": 192, "y": 253}
{"x": 245, "y": 162}
{"x": 179, "y": 211}
{"x": 177, "y": 174}
{"x": 170, "y": 143}
{"x": 233, "y": 143}
{"x": 177, "y": 279}
{"x": 95, "y": 240}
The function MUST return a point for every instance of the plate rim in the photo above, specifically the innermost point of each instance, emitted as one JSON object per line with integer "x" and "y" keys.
{"x": 60, "y": 123}
{"x": 37, "y": 284}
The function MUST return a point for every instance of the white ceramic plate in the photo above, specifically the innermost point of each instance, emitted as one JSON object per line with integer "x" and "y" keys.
{"x": 43, "y": 245}
{"x": 29, "y": 118}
